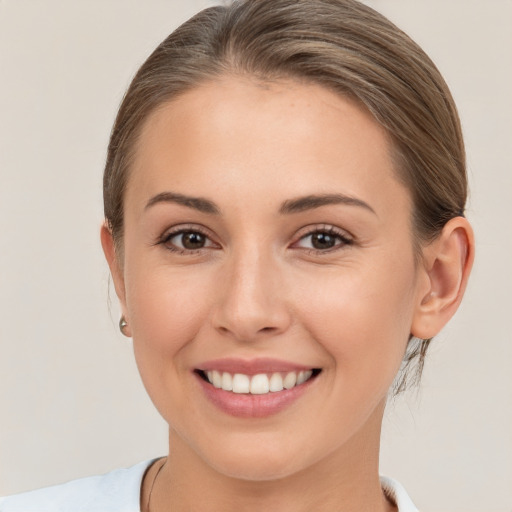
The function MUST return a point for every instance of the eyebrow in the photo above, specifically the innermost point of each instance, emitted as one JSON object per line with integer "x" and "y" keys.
{"x": 197, "y": 203}
{"x": 290, "y": 206}
{"x": 316, "y": 201}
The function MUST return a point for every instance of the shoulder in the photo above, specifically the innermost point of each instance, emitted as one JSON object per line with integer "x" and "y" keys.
{"x": 117, "y": 491}
{"x": 397, "y": 494}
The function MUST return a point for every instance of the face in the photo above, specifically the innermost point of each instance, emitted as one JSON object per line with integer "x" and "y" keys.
{"x": 267, "y": 240}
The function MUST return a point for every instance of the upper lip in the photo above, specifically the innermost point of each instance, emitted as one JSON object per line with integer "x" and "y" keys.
{"x": 252, "y": 366}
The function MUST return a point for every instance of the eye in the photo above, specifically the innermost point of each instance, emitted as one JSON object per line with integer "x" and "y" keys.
{"x": 186, "y": 240}
{"x": 323, "y": 240}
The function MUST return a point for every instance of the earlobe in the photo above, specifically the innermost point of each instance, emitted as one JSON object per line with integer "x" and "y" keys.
{"x": 446, "y": 265}
{"x": 107, "y": 242}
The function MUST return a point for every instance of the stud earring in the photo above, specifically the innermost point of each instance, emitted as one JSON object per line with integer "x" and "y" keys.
{"x": 123, "y": 324}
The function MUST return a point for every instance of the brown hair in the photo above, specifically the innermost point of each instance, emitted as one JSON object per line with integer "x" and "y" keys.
{"x": 340, "y": 44}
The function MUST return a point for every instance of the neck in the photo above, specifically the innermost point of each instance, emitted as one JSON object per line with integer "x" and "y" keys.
{"x": 345, "y": 481}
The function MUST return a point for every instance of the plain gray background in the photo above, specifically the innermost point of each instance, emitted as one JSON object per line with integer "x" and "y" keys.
{"x": 71, "y": 402}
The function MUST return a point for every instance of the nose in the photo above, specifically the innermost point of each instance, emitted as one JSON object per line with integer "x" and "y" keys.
{"x": 251, "y": 303}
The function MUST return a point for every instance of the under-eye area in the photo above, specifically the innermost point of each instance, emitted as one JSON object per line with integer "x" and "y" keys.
{"x": 259, "y": 384}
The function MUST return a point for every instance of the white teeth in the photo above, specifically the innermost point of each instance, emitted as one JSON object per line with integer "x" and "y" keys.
{"x": 217, "y": 379}
{"x": 241, "y": 383}
{"x": 227, "y": 381}
{"x": 304, "y": 376}
{"x": 259, "y": 384}
{"x": 290, "y": 380}
{"x": 276, "y": 382}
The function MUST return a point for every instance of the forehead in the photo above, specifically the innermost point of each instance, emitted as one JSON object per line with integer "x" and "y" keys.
{"x": 244, "y": 136}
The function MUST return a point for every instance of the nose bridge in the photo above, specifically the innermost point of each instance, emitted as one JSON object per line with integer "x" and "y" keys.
{"x": 251, "y": 302}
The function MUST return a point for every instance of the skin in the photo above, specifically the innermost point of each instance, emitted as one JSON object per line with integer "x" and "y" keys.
{"x": 259, "y": 288}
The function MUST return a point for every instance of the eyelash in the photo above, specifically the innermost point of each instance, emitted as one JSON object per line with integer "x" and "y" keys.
{"x": 323, "y": 229}
{"x": 336, "y": 233}
{"x": 166, "y": 237}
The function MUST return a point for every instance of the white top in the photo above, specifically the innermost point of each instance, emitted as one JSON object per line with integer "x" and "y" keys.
{"x": 119, "y": 491}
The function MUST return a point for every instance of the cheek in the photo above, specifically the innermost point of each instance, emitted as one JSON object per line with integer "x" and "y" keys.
{"x": 362, "y": 320}
{"x": 166, "y": 310}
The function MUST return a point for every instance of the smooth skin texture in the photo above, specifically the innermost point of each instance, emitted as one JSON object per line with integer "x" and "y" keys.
{"x": 259, "y": 284}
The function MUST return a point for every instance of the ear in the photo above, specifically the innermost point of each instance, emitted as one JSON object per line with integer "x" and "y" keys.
{"x": 446, "y": 265}
{"x": 107, "y": 242}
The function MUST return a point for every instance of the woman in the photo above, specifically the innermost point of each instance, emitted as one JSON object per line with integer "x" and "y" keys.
{"x": 284, "y": 195}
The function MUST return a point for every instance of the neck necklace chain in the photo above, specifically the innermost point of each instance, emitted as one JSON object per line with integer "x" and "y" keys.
{"x": 153, "y": 483}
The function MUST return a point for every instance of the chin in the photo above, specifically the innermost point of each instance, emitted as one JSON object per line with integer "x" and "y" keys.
{"x": 257, "y": 470}
{"x": 262, "y": 461}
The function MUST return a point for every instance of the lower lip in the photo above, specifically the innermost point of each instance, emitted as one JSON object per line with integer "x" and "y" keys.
{"x": 253, "y": 406}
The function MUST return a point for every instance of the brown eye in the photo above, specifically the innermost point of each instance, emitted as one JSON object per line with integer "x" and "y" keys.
{"x": 323, "y": 240}
{"x": 187, "y": 240}
{"x": 192, "y": 240}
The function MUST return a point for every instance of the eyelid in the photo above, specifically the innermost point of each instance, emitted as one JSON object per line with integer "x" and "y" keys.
{"x": 324, "y": 228}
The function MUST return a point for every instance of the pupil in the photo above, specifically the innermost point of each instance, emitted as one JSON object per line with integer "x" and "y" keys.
{"x": 193, "y": 240}
{"x": 323, "y": 241}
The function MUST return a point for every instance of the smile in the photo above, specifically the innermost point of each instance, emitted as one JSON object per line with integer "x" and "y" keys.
{"x": 259, "y": 384}
{"x": 254, "y": 388}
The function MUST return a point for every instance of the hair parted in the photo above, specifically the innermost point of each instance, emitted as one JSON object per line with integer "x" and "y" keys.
{"x": 340, "y": 44}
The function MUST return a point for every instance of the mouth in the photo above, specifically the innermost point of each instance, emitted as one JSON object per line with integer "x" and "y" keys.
{"x": 258, "y": 384}
{"x": 255, "y": 388}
